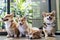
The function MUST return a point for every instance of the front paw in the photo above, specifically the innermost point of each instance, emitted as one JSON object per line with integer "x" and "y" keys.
{"x": 15, "y": 36}
{"x": 46, "y": 36}
{"x": 8, "y": 36}
{"x": 53, "y": 35}
{"x": 20, "y": 35}
{"x": 27, "y": 35}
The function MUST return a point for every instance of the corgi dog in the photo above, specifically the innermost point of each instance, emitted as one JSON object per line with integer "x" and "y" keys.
{"x": 28, "y": 31}
{"x": 49, "y": 26}
{"x": 35, "y": 33}
{"x": 23, "y": 26}
{"x": 10, "y": 25}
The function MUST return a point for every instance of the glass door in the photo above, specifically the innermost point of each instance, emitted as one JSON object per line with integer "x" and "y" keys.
{"x": 39, "y": 7}
{"x": 32, "y": 8}
{"x": 22, "y": 8}
{"x": 3, "y": 11}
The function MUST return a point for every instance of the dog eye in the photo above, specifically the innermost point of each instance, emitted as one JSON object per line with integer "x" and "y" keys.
{"x": 21, "y": 20}
{"x": 8, "y": 16}
{"x": 47, "y": 15}
{"x": 52, "y": 15}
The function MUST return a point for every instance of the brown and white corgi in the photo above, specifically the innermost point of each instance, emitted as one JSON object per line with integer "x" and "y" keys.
{"x": 49, "y": 26}
{"x": 35, "y": 33}
{"x": 26, "y": 29}
{"x": 10, "y": 25}
{"x": 23, "y": 26}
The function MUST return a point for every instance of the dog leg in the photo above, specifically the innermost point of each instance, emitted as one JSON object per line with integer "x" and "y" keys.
{"x": 20, "y": 35}
{"x": 45, "y": 32}
{"x": 8, "y": 36}
{"x": 53, "y": 32}
{"x": 15, "y": 35}
{"x": 46, "y": 35}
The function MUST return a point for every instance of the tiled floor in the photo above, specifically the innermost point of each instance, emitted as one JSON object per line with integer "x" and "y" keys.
{"x": 49, "y": 38}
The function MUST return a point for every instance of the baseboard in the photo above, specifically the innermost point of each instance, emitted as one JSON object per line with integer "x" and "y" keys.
{"x": 5, "y": 33}
{"x": 57, "y": 33}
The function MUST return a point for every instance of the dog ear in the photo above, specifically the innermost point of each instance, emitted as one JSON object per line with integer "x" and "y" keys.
{"x": 17, "y": 18}
{"x": 12, "y": 14}
{"x": 53, "y": 13}
{"x": 24, "y": 17}
{"x": 43, "y": 14}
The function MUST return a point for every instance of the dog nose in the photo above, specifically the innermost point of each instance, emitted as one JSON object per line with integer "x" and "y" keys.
{"x": 50, "y": 18}
{"x": 30, "y": 38}
{"x": 20, "y": 23}
{"x": 47, "y": 18}
{"x": 2, "y": 18}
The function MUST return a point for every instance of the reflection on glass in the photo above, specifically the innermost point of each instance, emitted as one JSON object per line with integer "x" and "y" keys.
{"x": 36, "y": 10}
{"x": 3, "y": 6}
{"x": 22, "y": 8}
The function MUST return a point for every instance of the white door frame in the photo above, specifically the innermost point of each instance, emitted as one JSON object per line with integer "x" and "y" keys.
{"x": 58, "y": 20}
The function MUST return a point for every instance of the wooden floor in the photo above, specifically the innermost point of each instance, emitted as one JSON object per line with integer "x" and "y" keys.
{"x": 48, "y": 38}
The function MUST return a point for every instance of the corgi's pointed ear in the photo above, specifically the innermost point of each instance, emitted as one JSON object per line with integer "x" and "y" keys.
{"x": 24, "y": 18}
{"x": 43, "y": 14}
{"x": 53, "y": 12}
{"x": 12, "y": 14}
{"x": 17, "y": 16}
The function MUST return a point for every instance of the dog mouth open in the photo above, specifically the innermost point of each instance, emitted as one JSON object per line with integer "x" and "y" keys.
{"x": 21, "y": 24}
{"x": 50, "y": 18}
{"x": 4, "y": 19}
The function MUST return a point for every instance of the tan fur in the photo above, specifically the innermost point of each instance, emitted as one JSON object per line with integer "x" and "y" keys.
{"x": 14, "y": 28}
{"x": 9, "y": 18}
{"x": 25, "y": 25}
{"x": 29, "y": 30}
{"x": 36, "y": 34}
{"x": 52, "y": 15}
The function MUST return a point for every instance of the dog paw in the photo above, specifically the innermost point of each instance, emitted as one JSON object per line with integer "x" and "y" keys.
{"x": 53, "y": 35}
{"x": 20, "y": 35}
{"x": 27, "y": 35}
{"x": 15, "y": 36}
{"x": 46, "y": 36}
{"x": 8, "y": 36}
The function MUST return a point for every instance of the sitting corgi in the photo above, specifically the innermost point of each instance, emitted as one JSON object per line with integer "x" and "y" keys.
{"x": 49, "y": 26}
{"x": 10, "y": 25}
{"x": 22, "y": 26}
{"x": 28, "y": 31}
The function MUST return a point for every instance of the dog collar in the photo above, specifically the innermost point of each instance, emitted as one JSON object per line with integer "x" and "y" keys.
{"x": 49, "y": 24}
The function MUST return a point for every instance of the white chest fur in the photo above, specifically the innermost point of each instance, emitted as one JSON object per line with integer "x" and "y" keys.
{"x": 7, "y": 25}
{"x": 49, "y": 24}
{"x": 21, "y": 29}
{"x": 8, "y": 29}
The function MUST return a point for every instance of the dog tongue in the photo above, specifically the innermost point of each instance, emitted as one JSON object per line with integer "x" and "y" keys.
{"x": 48, "y": 18}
